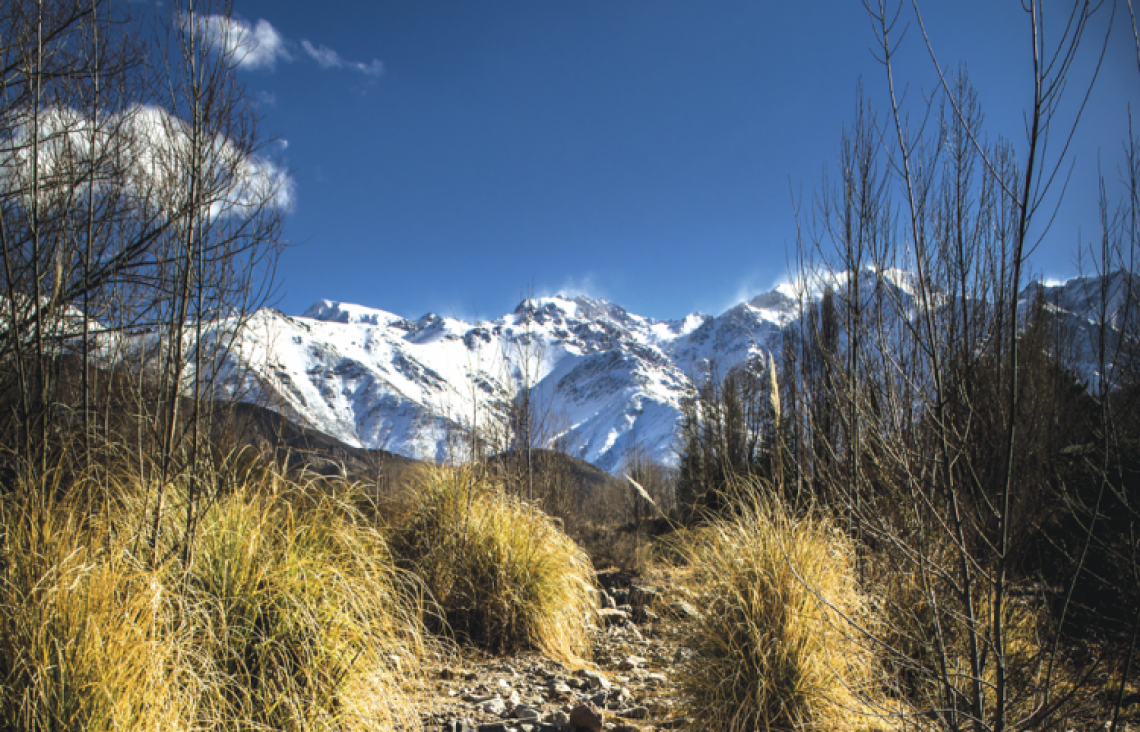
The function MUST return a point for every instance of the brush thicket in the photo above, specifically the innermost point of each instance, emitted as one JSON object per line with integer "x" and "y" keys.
{"x": 775, "y": 645}
{"x": 505, "y": 576}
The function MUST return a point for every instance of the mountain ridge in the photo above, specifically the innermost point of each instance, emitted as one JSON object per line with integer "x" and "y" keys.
{"x": 604, "y": 380}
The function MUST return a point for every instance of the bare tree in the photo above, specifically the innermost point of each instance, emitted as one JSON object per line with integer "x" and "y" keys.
{"x": 138, "y": 229}
{"x": 933, "y": 385}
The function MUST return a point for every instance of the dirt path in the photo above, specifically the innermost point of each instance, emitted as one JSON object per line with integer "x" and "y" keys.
{"x": 631, "y": 683}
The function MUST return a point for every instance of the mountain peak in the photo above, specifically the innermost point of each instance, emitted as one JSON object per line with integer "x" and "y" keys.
{"x": 331, "y": 311}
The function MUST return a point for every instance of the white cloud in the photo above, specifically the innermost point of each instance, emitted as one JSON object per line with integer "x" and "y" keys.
{"x": 157, "y": 148}
{"x": 585, "y": 286}
{"x": 327, "y": 58}
{"x": 259, "y": 46}
{"x": 267, "y": 98}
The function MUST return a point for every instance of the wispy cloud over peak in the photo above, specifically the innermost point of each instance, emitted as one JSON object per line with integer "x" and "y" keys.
{"x": 261, "y": 46}
{"x": 327, "y": 58}
{"x": 257, "y": 46}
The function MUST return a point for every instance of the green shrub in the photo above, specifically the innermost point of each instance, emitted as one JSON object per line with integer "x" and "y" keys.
{"x": 504, "y": 574}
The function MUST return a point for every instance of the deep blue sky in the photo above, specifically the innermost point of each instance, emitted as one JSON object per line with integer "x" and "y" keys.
{"x": 646, "y": 151}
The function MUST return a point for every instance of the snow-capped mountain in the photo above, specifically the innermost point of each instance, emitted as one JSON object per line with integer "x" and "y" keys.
{"x": 602, "y": 379}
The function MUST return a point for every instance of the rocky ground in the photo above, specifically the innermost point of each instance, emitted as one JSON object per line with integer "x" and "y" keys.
{"x": 631, "y": 685}
{"x": 629, "y": 688}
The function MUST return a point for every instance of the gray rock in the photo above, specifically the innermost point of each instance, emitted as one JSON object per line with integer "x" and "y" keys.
{"x": 523, "y": 712}
{"x": 594, "y": 679}
{"x": 684, "y": 610}
{"x": 613, "y": 616}
{"x": 634, "y": 713}
{"x": 495, "y": 706}
{"x": 644, "y": 615}
{"x": 632, "y": 662}
{"x": 587, "y": 717}
{"x": 644, "y": 595}
{"x": 562, "y": 688}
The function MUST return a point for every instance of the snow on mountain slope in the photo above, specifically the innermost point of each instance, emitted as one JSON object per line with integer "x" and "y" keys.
{"x": 602, "y": 379}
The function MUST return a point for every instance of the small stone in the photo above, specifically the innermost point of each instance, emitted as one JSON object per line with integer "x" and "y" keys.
{"x": 631, "y": 662}
{"x": 586, "y": 717}
{"x": 594, "y": 679}
{"x": 684, "y": 610}
{"x": 644, "y": 615}
{"x": 626, "y": 728}
{"x": 634, "y": 713}
{"x": 524, "y": 712}
{"x": 478, "y": 698}
{"x": 613, "y": 616}
{"x": 656, "y": 680}
{"x": 643, "y": 595}
{"x": 495, "y": 707}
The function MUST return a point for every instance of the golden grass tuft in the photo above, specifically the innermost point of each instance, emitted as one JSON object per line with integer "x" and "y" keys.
{"x": 505, "y": 575}
{"x": 88, "y": 635}
{"x": 303, "y": 617}
{"x": 774, "y": 646}
{"x": 288, "y": 613}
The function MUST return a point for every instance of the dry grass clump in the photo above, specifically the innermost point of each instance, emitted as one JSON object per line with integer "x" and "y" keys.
{"x": 287, "y": 613}
{"x": 505, "y": 575}
{"x": 301, "y": 615}
{"x": 88, "y": 635}
{"x": 774, "y": 646}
